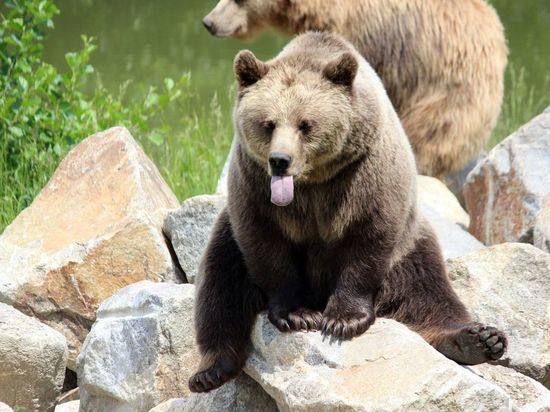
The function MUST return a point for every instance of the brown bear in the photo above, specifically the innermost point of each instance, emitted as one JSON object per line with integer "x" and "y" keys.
{"x": 442, "y": 62}
{"x": 321, "y": 226}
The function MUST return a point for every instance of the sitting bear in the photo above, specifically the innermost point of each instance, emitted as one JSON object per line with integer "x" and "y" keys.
{"x": 442, "y": 62}
{"x": 321, "y": 226}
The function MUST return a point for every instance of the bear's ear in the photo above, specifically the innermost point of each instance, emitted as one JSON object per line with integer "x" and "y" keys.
{"x": 342, "y": 71}
{"x": 248, "y": 69}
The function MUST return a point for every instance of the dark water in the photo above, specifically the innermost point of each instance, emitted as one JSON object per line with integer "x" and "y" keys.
{"x": 146, "y": 41}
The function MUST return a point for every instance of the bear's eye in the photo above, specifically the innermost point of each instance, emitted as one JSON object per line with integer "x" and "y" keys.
{"x": 268, "y": 126}
{"x": 239, "y": 2}
{"x": 305, "y": 126}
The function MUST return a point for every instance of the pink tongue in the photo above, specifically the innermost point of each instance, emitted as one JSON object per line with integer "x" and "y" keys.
{"x": 282, "y": 190}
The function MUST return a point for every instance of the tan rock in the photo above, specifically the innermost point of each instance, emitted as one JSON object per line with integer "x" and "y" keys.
{"x": 93, "y": 229}
{"x": 505, "y": 191}
{"x": 508, "y": 286}
{"x": 526, "y": 393}
{"x": 33, "y": 358}
{"x": 433, "y": 193}
{"x": 388, "y": 368}
{"x": 542, "y": 227}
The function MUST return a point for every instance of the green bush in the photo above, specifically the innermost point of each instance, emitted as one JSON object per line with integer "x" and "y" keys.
{"x": 43, "y": 113}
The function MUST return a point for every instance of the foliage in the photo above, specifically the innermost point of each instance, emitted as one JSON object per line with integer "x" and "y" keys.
{"x": 521, "y": 103}
{"x": 43, "y": 113}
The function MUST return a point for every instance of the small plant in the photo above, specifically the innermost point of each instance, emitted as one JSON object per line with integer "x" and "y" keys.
{"x": 44, "y": 113}
{"x": 520, "y": 104}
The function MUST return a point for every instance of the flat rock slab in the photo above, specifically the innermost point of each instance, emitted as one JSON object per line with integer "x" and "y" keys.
{"x": 508, "y": 286}
{"x": 33, "y": 358}
{"x": 388, "y": 368}
{"x": 242, "y": 394}
{"x": 505, "y": 191}
{"x": 141, "y": 350}
{"x": 95, "y": 228}
{"x": 189, "y": 228}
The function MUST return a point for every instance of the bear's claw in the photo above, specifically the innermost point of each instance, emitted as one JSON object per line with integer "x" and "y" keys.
{"x": 300, "y": 320}
{"x": 346, "y": 328}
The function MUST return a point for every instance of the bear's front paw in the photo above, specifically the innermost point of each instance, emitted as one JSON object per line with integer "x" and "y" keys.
{"x": 346, "y": 325}
{"x": 302, "y": 319}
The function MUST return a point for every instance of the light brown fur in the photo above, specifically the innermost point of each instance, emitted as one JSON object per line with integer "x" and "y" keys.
{"x": 441, "y": 62}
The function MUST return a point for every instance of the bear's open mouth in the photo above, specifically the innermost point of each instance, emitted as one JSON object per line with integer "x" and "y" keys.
{"x": 282, "y": 190}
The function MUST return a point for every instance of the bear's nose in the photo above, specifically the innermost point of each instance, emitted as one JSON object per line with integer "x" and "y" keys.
{"x": 209, "y": 24}
{"x": 279, "y": 163}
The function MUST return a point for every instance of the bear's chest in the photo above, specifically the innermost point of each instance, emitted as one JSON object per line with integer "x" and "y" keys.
{"x": 308, "y": 219}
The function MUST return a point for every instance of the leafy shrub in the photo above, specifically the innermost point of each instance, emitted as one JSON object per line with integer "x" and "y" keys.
{"x": 43, "y": 113}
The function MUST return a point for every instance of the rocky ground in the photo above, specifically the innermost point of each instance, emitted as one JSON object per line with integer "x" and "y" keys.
{"x": 97, "y": 291}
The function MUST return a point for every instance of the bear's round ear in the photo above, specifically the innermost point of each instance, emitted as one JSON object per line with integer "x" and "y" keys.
{"x": 248, "y": 69}
{"x": 342, "y": 71}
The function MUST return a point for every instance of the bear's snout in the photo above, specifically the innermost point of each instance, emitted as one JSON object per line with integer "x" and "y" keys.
{"x": 279, "y": 163}
{"x": 209, "y": 25}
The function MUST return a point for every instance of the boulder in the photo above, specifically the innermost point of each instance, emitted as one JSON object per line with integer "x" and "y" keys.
{"x": 241, "y": 394}
{"x": 508, "y": 286}
{"x": 542, "y": 227}
{"x": 5, "y": 408}
{"x": 72, "y": 406}
{"x": 33, "y": 358}
{"x": 433, "y": 194}
{"x": 527, "y": 394}
{"x": 387, "y": 368}
{"x": 453, "y": 239}
{"x": 505, "y": 191}
{"x": 141, "y": 350}
{"x": 189, "y": 227}
{"x": 95, "y": 228}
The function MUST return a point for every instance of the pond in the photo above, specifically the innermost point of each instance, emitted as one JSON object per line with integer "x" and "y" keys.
{"x": 146, "y": 41}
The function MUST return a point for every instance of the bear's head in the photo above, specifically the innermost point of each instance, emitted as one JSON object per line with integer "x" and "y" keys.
{"x": 239, "y": 18}
{"x": 294, "y": 116}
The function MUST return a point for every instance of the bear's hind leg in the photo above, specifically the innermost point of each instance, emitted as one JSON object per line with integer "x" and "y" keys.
{"x": 418, "y": 293}
{"x": 226, "y": 306}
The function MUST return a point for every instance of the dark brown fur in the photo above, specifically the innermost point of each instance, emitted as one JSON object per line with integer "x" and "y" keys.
{"x": 351, "y": 245}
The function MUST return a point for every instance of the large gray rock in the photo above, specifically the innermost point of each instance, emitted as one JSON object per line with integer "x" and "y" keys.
{"x": 33, "y": 358}
{"x": 504, "y": 193}
{"x": 388, "y": 368}
{"x": 141, "y": 350}
{"x": 94, "y": 228}
{"x": 5, "y": 408}
{"x": 71, "y": 406}
{"x": 189, "y": 227}
{"x": 242, "y": 394}
{"x": 453, "y": 239}
{"x": 508, "y": 286}
{"x": 527, "y": 394}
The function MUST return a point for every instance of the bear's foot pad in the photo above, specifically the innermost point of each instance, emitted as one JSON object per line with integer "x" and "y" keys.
{"x": 299, "y": 320}
{"x": 473, "y": 344}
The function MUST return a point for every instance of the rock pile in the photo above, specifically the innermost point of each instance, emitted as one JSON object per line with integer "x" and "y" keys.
{"x": 89, "y": 278}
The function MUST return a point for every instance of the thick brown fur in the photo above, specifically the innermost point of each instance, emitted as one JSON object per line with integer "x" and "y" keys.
{"x": 442, "y": 62}
{"x": 351, "y": 245}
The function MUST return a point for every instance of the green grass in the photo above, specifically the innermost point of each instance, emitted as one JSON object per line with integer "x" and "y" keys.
{"x": 521, "y": 103}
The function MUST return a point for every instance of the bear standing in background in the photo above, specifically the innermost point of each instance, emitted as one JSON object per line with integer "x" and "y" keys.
{"x": 441, "y": 62}
{"x": 321, "y": 227}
